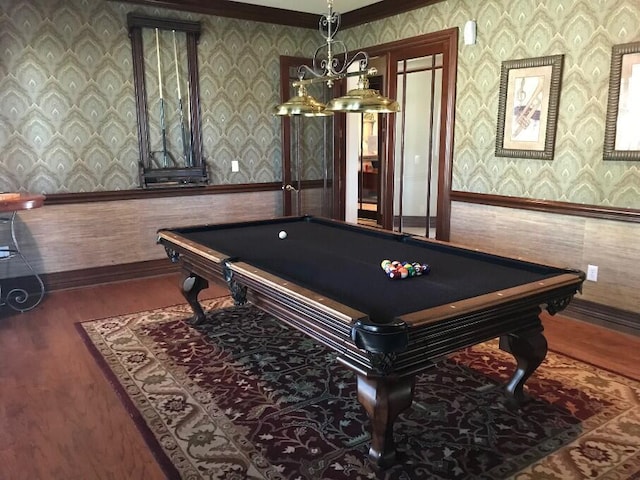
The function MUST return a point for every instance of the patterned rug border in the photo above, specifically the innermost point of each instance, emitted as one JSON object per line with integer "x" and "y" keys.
{"x": 163, "y": 459}
{"x": 152, "y": 442}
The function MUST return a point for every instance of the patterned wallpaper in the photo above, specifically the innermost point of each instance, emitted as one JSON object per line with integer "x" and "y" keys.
{"x": 584, "y": 31}
{"x": 67, "y": 105}
{"x": 67, "y": 113}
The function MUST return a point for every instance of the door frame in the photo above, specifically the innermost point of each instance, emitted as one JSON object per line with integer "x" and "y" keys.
{"x": 286, "y": 63}
{"x": 444, "y": 42}
{"x": 336, "y": 184}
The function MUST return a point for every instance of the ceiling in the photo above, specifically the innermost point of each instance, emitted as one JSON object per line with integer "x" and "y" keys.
{"x": 297, "y": 13}
{"x": 318, "y": 7}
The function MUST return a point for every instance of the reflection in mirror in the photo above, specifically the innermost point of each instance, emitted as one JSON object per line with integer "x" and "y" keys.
{"x": 622, "y": 141}
{"x": 166, "y": 82}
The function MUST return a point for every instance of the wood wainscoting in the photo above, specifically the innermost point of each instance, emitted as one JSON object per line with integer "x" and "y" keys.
{"x": 563, "y": 234}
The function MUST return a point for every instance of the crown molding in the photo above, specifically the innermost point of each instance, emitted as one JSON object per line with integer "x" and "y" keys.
{"x": 279, "y": 16}
{"x": 601, "y": 212}
{"x": 380, "y": 10}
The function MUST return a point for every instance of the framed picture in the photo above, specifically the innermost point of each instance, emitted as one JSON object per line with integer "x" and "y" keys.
{"x": 621, "y": 133}
{"x": 528, "y": 107}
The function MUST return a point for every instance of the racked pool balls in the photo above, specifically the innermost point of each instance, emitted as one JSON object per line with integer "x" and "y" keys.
{"x": 398, "y": 270}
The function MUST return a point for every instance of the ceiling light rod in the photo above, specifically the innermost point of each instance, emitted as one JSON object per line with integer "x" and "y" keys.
{"x": 309, "y": 81}
{"x": 326, "y": 66}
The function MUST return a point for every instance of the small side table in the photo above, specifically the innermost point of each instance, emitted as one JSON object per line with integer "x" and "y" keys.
{"x": 18, "y": 298}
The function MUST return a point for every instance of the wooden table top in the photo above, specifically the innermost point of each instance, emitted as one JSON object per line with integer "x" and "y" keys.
{"x": 11, "y": 202}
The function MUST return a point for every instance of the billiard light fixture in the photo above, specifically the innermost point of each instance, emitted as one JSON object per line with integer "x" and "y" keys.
{"x": 302, "y": 104}
{"x": 328, "y": 68}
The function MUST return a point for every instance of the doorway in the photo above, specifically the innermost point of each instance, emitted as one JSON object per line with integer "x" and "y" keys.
{"x": 417, "y": 134}
{"x": 369, "y": 179}
{"x": 415, "y": 145}
{"x": 309, "y": 153}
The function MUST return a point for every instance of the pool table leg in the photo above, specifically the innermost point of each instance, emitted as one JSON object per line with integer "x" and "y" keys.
{"x": 192, "y": 285}
{"x": 384, "y": 398}
{"x": 529, "y": 349}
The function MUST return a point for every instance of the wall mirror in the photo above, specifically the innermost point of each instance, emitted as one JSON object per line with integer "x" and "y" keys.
{"x": 621, "y": 138}
{"x": 165, "y": 71}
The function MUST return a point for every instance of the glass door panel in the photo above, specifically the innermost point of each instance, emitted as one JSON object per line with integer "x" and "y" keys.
{"x": 417, "y": 134}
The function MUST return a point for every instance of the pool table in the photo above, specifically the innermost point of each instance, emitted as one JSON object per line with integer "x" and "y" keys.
{"x": 325, "y": 279}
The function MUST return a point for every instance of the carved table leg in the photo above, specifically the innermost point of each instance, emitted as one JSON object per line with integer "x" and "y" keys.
{"x": 192, "y": 285}
{"x": 384, "y": 398}
{"x": 529, "y": 349}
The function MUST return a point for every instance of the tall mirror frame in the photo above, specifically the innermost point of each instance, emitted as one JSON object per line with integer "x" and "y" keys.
{"x": 176, "y": 170}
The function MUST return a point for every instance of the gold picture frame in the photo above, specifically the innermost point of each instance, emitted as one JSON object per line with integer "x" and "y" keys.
{"x": 528, "y": 107}
{"x": 621, "y": 137}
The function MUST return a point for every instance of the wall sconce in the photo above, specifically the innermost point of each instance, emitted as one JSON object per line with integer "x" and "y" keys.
{"x": 470, "y": 30}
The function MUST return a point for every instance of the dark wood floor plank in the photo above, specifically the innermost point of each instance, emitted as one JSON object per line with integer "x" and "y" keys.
{"x": 60, "y": 418}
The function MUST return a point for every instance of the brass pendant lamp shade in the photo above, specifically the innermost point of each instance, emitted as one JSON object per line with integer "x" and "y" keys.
{"x": 359, "y": 100}
{"x": 302, "y": 104}
{"x": 363, "y": 100}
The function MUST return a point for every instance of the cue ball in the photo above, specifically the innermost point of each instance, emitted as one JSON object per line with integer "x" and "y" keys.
{"x": 282, "y": 235}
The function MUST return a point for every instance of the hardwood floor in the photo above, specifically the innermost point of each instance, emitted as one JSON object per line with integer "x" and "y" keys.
{"x": 60, "y": 419}
{"x": 593, "y": 344}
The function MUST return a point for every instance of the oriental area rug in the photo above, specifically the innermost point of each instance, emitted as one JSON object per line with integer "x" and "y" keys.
{"x": 246, "y": 397}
